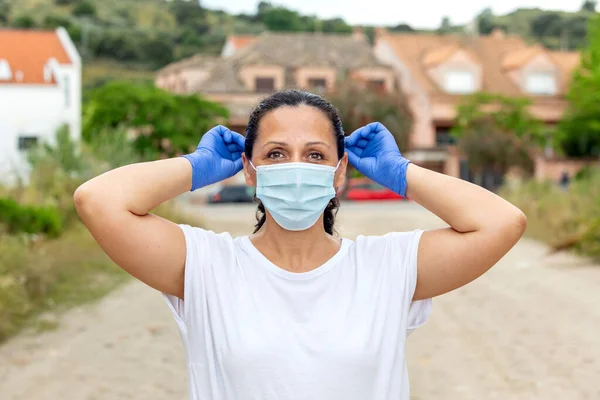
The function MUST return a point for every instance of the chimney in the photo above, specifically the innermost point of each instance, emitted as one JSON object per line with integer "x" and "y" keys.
{"x": 358, "y": 33}
{"x": 498, "y": 33}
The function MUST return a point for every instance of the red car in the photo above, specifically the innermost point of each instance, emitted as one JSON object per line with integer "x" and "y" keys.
{"x": 364, "y": 189}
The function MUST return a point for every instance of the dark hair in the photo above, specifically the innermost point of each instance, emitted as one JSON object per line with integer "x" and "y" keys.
{"x": 295, "y": 98}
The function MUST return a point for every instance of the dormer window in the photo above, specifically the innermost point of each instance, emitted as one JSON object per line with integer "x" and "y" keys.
{"x": 540, "y": 83}
{"x": 5, "y": 72}
{"x": 264, "y": 85}
{"x": 459, "y": 82}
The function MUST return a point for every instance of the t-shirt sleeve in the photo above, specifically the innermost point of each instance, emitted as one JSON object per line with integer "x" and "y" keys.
{"x": 197, "y": 247}
{"x": 407, "y": 245}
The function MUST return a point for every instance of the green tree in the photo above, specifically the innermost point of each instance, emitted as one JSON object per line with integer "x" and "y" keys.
{"x": 335, "y": 25}
{"x": 359, "y": 106}
{"x": 189, "y": 14}
{"x": 84, "y": 8}
{"x": 579, "y": 131}
{"x": 4, "y": 12}
{"x": 54, "y": 21}
{"x": 485, "y": 22}
{"x": 24, "y": 21}
{"x": 445, "y": 26}
{"x": 282, "y": 19}
{"x": 160, "y": 122}
{"x": 496, "y": 133}
{"x": 589, "y": 5}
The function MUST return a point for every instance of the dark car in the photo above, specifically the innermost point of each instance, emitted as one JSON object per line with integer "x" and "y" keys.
{"x": 233, "y": 194}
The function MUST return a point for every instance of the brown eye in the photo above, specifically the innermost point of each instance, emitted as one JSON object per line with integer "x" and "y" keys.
{"x": 316, "y": 156}
{"x": 274, "y": 155}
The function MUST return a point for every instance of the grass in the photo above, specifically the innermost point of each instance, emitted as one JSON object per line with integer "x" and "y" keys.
{"x": 41, "y": 278}
{"x": 38, "y": 276}
{"x": 564, "y": 219}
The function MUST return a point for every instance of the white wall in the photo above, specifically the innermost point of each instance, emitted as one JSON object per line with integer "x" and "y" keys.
{"x": 28, "y": 110}
{"x": 39, "y": 110}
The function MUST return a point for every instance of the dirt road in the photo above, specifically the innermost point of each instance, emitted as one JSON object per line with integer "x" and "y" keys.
{"x": 529, "y": 329}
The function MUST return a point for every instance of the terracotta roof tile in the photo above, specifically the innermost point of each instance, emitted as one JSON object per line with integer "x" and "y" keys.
{"x": 290, "y": 51}
{"x": 567, "y": 62}
{"x": 520, "y": 57}
{"x": 493, "y": 52}
{"x": 29, "y": 51}
{"x": 240, "y": 41}
{"x": 440, "y": 54}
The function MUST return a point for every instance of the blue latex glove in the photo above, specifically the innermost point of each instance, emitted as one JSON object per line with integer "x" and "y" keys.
{"x": 217, "y": 157}
{"x": 373, "y": 151}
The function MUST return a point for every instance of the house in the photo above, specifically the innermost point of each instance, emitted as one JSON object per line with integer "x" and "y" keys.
{"x": 40, "y": 90}
{"x": 251, "y": 67}
{"x": 436, "y": 72}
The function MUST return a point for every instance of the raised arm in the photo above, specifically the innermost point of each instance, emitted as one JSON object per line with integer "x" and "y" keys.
{"x": 115, "y": 208}
{"x": 483, "y": 226}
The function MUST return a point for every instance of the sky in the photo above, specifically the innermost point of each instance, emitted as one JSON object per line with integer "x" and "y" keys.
{"x": 416, "y": 13}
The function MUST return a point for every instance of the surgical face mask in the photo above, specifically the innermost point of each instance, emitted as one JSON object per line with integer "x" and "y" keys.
{"x": 295, "y": 194}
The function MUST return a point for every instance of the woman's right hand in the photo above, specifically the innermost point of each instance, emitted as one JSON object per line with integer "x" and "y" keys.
{"x": 217, "y": 157}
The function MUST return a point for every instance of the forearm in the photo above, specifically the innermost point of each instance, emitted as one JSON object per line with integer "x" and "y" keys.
{"x": 462, "y": 205}
{"x": 137, "y": 188}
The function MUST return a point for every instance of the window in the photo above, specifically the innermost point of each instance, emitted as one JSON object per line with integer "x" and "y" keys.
{"x": 319, "y": 84}
{"x": 67, "y": 88}
{"x": 265, "y": 84}
{"x": 27, "y": 142}
{"x": 443, "y": 137}
{"x": 377, "y": 85}
{"x": 459, "y": 82}
{"x": 540, "y": 83}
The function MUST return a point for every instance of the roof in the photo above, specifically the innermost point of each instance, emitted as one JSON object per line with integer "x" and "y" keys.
{"x": 495, "y": 53}
{"x": 567, "y": 62}
{"x": 198, "y": 60}
{"x": 291, "y": 51}
{"x": 520, "y": 57}
{"x": 29, "y": 51}
{"x": 240, "y": 41}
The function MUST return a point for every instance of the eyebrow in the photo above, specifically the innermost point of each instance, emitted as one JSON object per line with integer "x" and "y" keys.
{"x": 283, "y": 144}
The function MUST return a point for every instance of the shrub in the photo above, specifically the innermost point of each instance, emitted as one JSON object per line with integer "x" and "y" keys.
{"x": 563, "y": 219}
{"x": 29, "y": 219}
{"x": 84, "y": 8}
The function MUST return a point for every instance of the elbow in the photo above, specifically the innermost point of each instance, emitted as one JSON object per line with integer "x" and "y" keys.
{"x": 517, "y": 224}
{"x": 81, "y": 199}
{"x": 85, "y": 200}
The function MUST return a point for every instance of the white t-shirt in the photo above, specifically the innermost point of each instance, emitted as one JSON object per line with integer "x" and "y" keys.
{"x": 252, "y": 330}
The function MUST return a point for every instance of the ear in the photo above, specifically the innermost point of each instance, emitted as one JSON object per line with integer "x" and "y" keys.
{"x": 249, "y": 172}
{"x": 340, "y": 175}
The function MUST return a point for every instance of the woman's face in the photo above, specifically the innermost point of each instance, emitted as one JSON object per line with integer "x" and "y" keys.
{"x": 295, "y": 134}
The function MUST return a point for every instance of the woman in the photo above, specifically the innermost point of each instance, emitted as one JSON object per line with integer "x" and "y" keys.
{"x": 293, "y": 311}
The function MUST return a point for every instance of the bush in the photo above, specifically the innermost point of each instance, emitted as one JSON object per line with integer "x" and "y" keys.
{"x": 38, "y": 274}
{"x": 29, "y": 219}
{"x": 55, "y": 21}
{"x": 24, "y": 21}
{"x": 84, "y": 8}
{"x": 563, "y": 219}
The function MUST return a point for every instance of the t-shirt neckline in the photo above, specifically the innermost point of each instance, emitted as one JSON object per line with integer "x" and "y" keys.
{"x": 323, "y": 268}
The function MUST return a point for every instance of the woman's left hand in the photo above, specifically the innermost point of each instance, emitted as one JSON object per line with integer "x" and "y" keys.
{"x": 373, "y": 151}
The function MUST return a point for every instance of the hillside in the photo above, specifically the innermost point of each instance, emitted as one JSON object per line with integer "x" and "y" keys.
{"x": 126, "y": 36}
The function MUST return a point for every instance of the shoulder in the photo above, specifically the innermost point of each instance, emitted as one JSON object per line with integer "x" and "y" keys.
{"x": 204, "y": 243}
{"x": 396, "y": 243}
